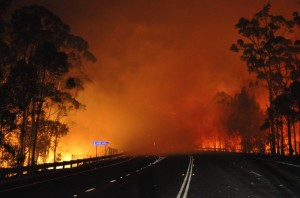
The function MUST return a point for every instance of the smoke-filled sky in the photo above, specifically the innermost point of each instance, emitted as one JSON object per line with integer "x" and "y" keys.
{"x": 159, "y": 63}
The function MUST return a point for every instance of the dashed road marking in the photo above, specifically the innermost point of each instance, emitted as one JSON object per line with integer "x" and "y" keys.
{"x": 255, "y": 173}
{"x": 89, "y": 190}
{"x": 158, "y": 160}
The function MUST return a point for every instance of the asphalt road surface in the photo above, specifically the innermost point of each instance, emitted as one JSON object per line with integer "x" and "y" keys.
{"x": 193, "y": 175}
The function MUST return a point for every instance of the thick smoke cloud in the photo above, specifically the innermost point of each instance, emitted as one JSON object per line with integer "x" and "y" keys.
{"x": 160, "y": 62}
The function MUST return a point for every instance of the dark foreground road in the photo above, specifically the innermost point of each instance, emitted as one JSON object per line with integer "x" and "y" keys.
{"x": 195, "y": 175}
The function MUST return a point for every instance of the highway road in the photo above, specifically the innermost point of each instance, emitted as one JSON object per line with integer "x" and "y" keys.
{"x": 191, "y": 175}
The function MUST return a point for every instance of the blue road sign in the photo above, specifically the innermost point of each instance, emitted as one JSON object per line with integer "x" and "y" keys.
{"x": 100, "y": 143}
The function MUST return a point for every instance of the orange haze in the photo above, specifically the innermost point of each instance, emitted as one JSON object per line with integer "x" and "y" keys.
{"x": 159, "y": 62}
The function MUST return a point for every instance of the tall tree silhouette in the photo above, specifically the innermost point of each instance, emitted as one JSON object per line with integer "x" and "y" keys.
{"x": 283, "y": 104}
{"x": 265, "y": 51}
{"x": 8, "y": 114}
{"x": 295, "y": 97}
{"x": 223, "y": 102}
{"x": 244, "y": 120}
{"x": 43, "y": 67}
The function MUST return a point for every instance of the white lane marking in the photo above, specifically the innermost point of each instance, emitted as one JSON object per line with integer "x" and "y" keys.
{"x": 278, "y": 162}
{"x": 158, "y": 160}
{"x": 255, "y": 173}
{"x": 288, "y": 164}
{"x": 65, "y": 176}
{"x": 186, "y": 178}
{"x": 112, "y": 181}
{"x": 284, "y": 163}
{"x": 89, "y": 190}
{"x": 189, "y": 179}
{"x": 127, "y": 175}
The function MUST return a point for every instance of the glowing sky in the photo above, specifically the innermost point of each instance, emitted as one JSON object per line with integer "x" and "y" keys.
{"x": 159, "y": 62}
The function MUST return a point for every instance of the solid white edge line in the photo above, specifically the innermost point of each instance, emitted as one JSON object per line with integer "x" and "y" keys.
{"x": 279, "y": 162}
{"x": 185, "y": 179}
{"x": 288, "y": 164}
{"x": 189, "y": 179}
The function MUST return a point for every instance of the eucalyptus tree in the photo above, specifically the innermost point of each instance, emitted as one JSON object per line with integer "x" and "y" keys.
{"x": 7, "y": 115}
{"x": 223, "y": 103}
{"x": 295, "y": 96}
{"x": 8, "y": 125}
{"x": 48, "y": 137}
{"x": 21, "y": 87}
{"x": 244, "y": 120}
{"x": 58, "y": 107}
{"x": 265, "y": 49}
{"x": 283, "y": 104}
{"x": 40, "y": 40}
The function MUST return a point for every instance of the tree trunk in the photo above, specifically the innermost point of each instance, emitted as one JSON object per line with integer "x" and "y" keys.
{"x": 299, "y": 139}
{"x": 33, "y": 125}
{"x": 29, "y": 156}
{"x": 215, "y": 143}
{"x": 294, "y": 134}
{"x": 282, "y": 136}
{"x": 21, "y": 158}
{"x": 220, "y": 143}
{"x": 225, "y": 143}
{"x": 277, "y": 134}
{"x": 55, "y": 145}
{"x": 299, "y": 130}
{"x": 271, "y": 114}
{"x": 39, "y": 111}
{"x": 291, "y": 151}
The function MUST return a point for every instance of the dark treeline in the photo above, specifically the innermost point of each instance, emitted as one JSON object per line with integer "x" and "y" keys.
{"x": 271, "y": 49}
{"x": 240, "y": 118}
{"x": 40, "y": 75}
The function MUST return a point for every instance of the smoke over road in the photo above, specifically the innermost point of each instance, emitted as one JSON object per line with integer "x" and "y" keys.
{"x": 159, "y": 63}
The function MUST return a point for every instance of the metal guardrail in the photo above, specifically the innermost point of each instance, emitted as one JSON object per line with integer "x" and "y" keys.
{"x": 209, "y": 149}
{"x": 213, "y": 149}
{"x": 30, "y": 170}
